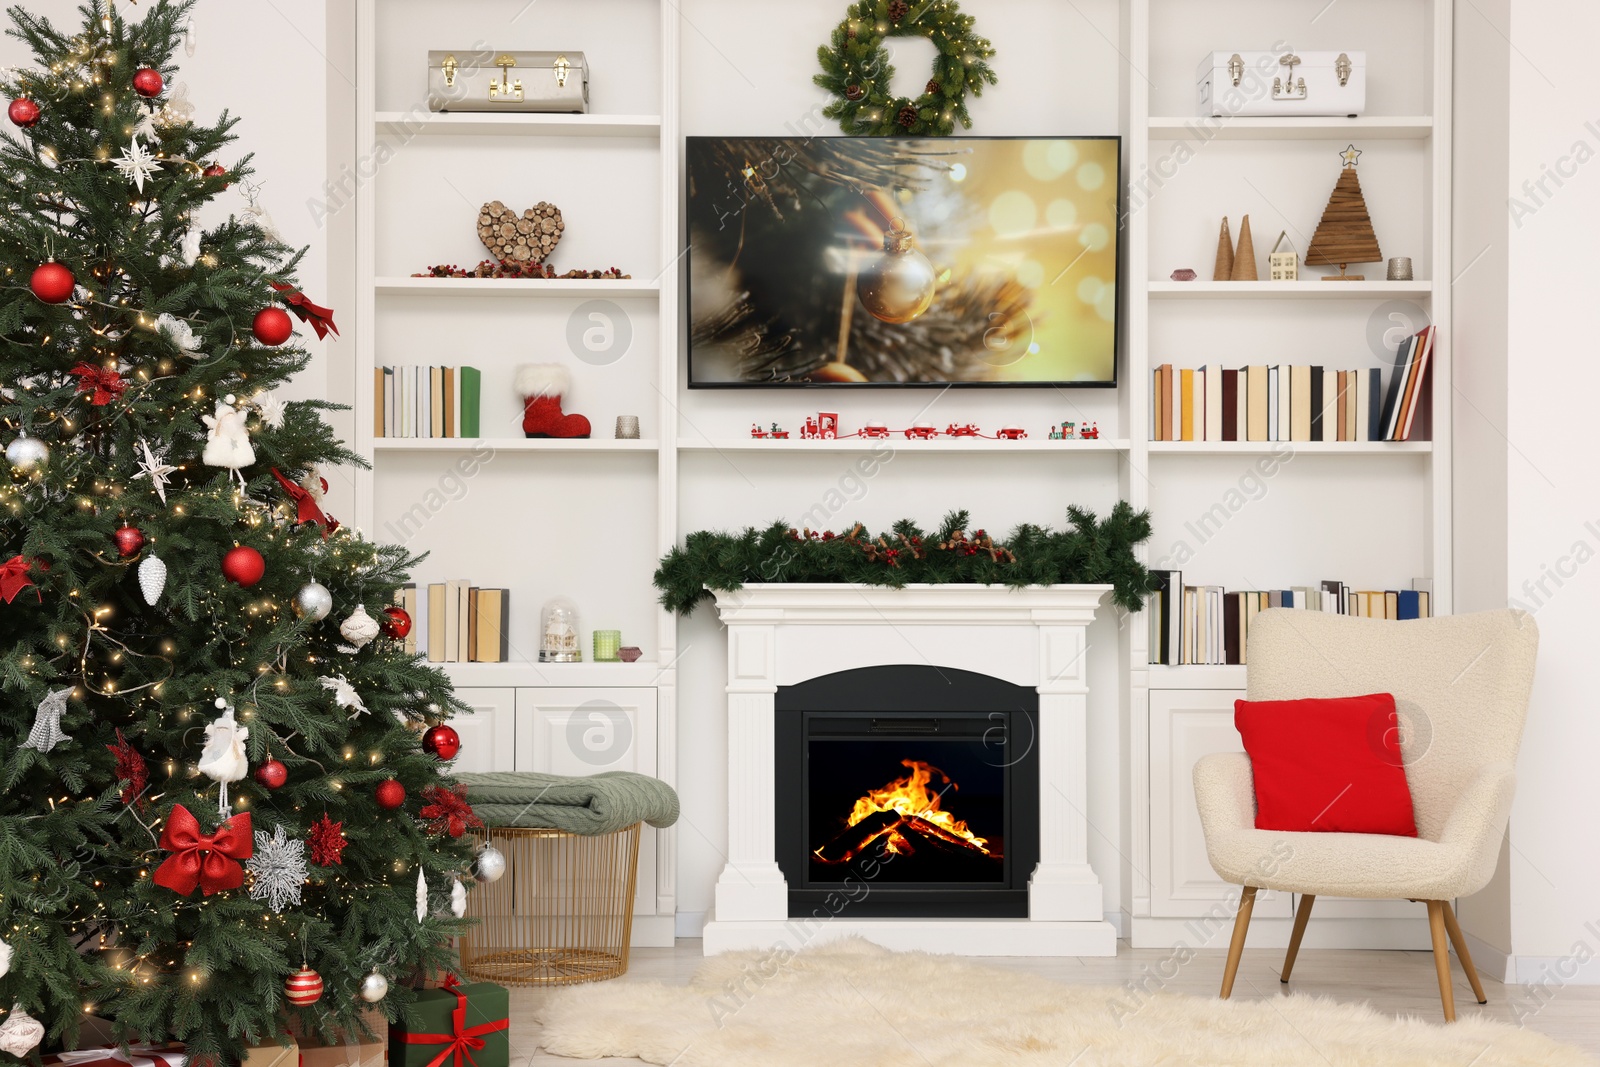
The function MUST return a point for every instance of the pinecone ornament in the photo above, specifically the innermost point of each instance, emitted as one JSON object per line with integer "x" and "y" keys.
{"x": 854, "y": 92}
{"x": 907, "y": 116}
{"x": 932, "y": 87}
{"x": 898, "y": 9}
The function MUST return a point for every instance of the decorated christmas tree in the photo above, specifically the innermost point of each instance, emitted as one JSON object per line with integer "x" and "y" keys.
{"x": 219, "y": 769}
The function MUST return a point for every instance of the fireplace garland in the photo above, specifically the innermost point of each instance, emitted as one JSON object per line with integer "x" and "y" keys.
{"x": 1090, "y": 551}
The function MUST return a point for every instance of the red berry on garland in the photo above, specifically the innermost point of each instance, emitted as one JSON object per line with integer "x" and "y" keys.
{"x": 442, "y": 741}
{"x": 390, "y": 794}
{"x": 52, "y": 283}
{"x": 243, "y": 566}
{"x": 272, "y": 326}
{"x": 24, "y": 112}
{"x": 303, "y": 988}
{"x": 147, "y": 82}
{"x": 272, "y": 774}
{"x": 129, "y": 539}
{"x": 396, "y": 622}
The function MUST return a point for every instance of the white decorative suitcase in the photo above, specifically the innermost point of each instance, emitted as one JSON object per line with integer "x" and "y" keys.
{"x": 488, "y": 80}
{"x": 1283, "y": 83}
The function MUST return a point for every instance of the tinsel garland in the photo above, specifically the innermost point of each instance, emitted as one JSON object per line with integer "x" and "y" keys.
{"x": 1090, "y": 552}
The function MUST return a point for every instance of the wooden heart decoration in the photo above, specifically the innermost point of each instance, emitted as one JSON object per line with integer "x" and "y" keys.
{"x": 525, "y": 238}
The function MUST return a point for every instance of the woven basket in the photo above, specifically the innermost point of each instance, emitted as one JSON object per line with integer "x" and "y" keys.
{"x": 563, "y": 914}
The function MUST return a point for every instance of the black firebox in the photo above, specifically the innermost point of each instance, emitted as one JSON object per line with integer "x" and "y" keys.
{"x": 907, "y": 791}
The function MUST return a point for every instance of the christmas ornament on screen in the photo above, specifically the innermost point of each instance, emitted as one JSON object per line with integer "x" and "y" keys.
{"x": 27, "y": 453}
{"x": 278, "y": 871}
{"x": 327, "y": 842}
{"x": 15, "y": 577}
{"x": 52, "y": 283}
{"x": 303, "y": 988}
{"x": 46, "y": 733}
{"x": 208, "y": 862}
{"x": 1345, "y": 234}
{"x": 228, "y": 442}
{"x": 358, "y": 630}
{"x": 101, "y": 385}
{"x": 272, "y": 774}
{"x": 21, "y": 1033}
{"x": 396, "y": 622}
{"x": 491, "y": 864}
{"x": 215, "y": 170}
{"x": 307, "y": 497}
{"x": 313, "y": 601}
{"x": 156, "y": 468}
{"x": 272, "y": 408}
{"x": 272, "y": 326}
{"x": 442, "y": 741}
{"x": 148, "y": 83}
{"x": 901, "y": 285}
{"x": 223, "y": 758}
{"x": 458, "y": 898}
{"x": 5, "y": 959}
{"x": 320, "y": 318}
{"x": 345, "y": 695}
{"x": 152, "y": 578}
{"x": 129, "y": 540}
{"x": 137, "y": 163}
{"x": 191, "y": 246}
{"x": 422, "y": 895}
{"x": 390, "y": 794}
{"x": 24, "y": 112}
{"x": 446, "y": 811}
{"x": 374, "y": 987}
{"x": 131, "y": 770}
{"x": 180, "y": 333}
{"x": 243, "y": 565}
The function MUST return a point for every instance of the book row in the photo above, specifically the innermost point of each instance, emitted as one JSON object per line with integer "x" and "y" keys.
{"x": 467, "y": 624}
{"x": 1296, "y": 403}
{"x": 417, "y": 401}
{"x": 1207, "y": 624}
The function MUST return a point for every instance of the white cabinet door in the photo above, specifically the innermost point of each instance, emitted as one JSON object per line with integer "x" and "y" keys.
{"x": 586, "y": 731}
{"x": 488, "y": 733}
{"x": 1186, "y": 724}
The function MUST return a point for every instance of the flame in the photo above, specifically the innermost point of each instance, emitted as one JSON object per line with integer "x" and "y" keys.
{"x": 918, "y": 807}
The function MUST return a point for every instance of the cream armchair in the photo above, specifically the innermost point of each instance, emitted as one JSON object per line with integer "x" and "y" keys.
{"x": 1461, "y": 688}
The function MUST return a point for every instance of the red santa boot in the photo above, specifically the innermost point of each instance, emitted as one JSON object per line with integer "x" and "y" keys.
{"x": 542, "y": 386}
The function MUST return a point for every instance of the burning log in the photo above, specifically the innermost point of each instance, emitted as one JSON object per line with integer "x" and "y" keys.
{"x": 849, "y": 842}
{"x": 918, "y": 830}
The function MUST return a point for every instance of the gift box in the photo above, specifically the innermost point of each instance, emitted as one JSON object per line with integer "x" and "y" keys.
{"x": 273, "y": 1055}
{"x": 349, "y": 1049}
{"x": 136, "y": 1056}
{"x": 456, "y": 1025}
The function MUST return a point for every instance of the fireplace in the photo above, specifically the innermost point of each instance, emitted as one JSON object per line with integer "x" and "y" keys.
{"x": 910, "y": 791}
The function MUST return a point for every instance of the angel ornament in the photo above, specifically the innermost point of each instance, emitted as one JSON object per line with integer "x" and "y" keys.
{"x": 223, "y": 759}
{"x": 228, "y": 444}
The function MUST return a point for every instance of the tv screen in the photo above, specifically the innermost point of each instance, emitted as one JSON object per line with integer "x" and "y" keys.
{"x": 919, "y": 261}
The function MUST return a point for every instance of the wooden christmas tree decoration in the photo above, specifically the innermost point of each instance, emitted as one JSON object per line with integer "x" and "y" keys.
{"x": 1244, "y": 260}
{"x": 1345, "y": 233}
{"x": 1223, "y": 271}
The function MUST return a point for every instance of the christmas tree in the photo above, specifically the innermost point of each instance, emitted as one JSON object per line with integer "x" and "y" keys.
{"x": 214, "y": 776}
{"x": 1345, "y": 235}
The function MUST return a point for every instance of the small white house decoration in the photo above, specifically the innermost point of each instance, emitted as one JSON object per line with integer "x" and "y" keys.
{"x": 1285, "y": 266}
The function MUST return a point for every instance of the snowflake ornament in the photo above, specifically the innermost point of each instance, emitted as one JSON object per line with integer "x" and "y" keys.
{"x": 137, "y": 164}
{"x": 155, "y": 467}
{"x": 279, "y": 869}
{"x": 271, "y": 407}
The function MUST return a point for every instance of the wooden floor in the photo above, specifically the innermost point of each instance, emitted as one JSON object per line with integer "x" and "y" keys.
{"x": 1401, "y": 983}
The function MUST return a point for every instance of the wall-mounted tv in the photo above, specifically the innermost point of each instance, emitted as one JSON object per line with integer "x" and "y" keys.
{"x": 894, "y": 262}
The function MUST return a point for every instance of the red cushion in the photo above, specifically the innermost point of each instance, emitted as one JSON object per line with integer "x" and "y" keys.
{"x": 1332, "y": 765}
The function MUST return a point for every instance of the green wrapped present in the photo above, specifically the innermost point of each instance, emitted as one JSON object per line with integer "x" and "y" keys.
{"x": 456, "y": 1026}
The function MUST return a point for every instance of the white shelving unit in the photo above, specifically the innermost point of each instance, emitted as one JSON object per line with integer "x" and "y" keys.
{"x": 1311, "y": 505}
{"x": 614, "y": 172}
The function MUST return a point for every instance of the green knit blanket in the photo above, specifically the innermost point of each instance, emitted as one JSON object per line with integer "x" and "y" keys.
{"x": 597, "y": 804}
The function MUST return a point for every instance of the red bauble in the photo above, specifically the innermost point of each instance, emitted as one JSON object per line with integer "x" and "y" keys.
{"x": 243, "y": 565}
{"x": 303, "y": 988}
{"x": 272, "y": 326}
{"x": 442, "y": 741}
{"x": 272, "y": 774}
{"x": 24, "y": 112}
{"x": 216, "y": 170}
{"x": 129, "y": 539}
{"x": 52, "y": 283}
{"x": 396, "y": 622}
{"x": 390, "y": 794}
{"x": 147, "y": 82}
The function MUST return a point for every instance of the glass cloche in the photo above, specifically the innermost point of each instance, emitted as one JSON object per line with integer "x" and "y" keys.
{"x": 558, "y": 632}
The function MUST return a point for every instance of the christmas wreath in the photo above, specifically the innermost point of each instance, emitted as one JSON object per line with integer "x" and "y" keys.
{"x": 856, "y": 70}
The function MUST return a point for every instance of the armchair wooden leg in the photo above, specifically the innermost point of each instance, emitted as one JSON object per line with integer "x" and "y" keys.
{"x": 1441, "y": 957}
{"x": 1460, "y": 942}
{"x": 1302, "y": 915}
{"x": 1241, "y": 926}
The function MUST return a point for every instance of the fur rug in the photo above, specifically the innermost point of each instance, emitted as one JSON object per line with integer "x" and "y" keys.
{"x": 854, "y": 1004}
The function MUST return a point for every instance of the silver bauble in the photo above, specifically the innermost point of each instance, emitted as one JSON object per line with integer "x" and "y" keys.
{"x": 359, "y": 629}
{"x": 27, "y": 453}
{"x": 491, "y": 864}
{"x": 313, "y": 601}
{"x": 374, "y": 987}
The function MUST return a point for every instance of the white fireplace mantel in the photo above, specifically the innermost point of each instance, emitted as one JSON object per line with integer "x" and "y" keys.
{"x": 783, "y": 634}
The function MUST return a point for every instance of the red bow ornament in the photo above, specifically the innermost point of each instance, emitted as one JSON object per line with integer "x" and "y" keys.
{"x": 467, "y": 1039}
{"x": 14, "y": 577}
{"x": 210, "y": 861}
{"x": 307, "y": 509}
{"x": 103, "y": 384}
{"x": 320, "y": 318}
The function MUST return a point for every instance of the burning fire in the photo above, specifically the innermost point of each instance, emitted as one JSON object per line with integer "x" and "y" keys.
{"x": 902, "y": 812}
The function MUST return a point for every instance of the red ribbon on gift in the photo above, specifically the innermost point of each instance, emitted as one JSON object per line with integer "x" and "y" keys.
{"x": 320, "y": 318}
{"x": 14, "y": 577}
{"x": 306, "y": 507}
{"x": 210, "y": 861}
{"x": 466, "y": 1040}
{"x": 104, "y": 384}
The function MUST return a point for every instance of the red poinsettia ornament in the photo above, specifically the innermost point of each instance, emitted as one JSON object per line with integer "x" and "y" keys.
{"x": 327, "y": 842}
{"x": 131, "y": 769}
{"x": 101, "y": 384}
{"x": 447, "y": 810}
